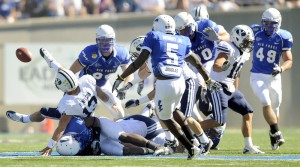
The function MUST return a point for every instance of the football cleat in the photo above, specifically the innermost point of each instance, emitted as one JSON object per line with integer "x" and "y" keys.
{"x": 276, "y": 140}
{"x": 14, "y": 116}
{"x": 194, "y": 152}
{"x": 252, "y": 150}
{"x": 162, "y": 151}
{"x": 47, "y": 56}
{"x": 172, "y": 144}
{"x": 205, "y": 147}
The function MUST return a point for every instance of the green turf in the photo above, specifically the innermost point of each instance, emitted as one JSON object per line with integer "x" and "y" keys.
{"x": 231, "y": 145}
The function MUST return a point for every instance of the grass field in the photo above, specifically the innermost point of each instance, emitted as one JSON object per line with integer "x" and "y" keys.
{"x": 230, "y": 153}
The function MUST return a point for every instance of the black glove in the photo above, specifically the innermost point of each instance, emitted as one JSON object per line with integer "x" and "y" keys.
{"x": 276, "y": 70}
{"x": 132, "y": 103}
{"x": 117, "y": 82}
{"x": 140, "y": 87}
{"x": 96, "y": 149}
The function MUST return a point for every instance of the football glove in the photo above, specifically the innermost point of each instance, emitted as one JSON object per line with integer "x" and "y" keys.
{"x": 211, "y": 34}
{"x": 140, "y": 87}
{"x": 213, "y": 85}
{"x": 203, "y": 94}
{"x": 117, "y": 82}
{"x": 226, "y": 65}
{"x": 122, "y": 92}
{"x": 132, "y": 103}
{"x": 276, "y": 70}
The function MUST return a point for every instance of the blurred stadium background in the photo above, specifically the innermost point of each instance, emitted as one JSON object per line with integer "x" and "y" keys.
{"x": 25, "y": 87}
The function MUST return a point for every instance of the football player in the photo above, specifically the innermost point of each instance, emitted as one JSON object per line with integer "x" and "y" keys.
{"x": 134, "y": 135}
{"x": 186, "y": 106}
{"x": 168, "y": 52}
{"x": 271, "y": 43}
{"x": 80, "y": 99}
{"x": 101, "y": 60}
{"x": 230, "y": 58}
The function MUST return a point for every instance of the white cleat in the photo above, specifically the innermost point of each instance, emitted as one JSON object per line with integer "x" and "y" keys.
{"x": 252, "y": 150}
{"x": 163, "y": 151}
{"x": 47, "y": 56}
{"x": 14, "y": 116}
{"x": 195, "y": 151}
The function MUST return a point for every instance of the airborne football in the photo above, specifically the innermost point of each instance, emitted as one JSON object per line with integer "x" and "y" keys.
{"x": 24, "y": 55}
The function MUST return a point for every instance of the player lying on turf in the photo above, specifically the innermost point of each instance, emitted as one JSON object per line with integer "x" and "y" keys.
{"x": 134, "y": 135}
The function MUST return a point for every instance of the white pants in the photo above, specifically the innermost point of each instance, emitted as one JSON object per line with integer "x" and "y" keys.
{"x": 268, "y": 90}
{"x": 167, "y": 96}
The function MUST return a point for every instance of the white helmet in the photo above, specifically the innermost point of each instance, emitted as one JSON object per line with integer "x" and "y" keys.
{"x": 183, "y": 20}
{"x": 68, "y": 145}
{"x": 200, "y": 13}
{"x": 242, "y": 36}
{"x": 271, "y": 21}
{"x": 165, "y": 24}
{"x": 105, "y": 37}
{"x": 66, "y": 80}
{"x": 135, "y": 47}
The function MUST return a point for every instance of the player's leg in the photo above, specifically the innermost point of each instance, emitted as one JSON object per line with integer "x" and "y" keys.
{"x": 260, "y": 84}
{"x": 38, "y": 116}
{"x": 167, "y": 97}
{"x": 239, "y": 104}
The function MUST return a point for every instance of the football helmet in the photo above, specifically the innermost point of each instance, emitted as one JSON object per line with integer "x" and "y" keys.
{"x": 66, "y": 80}
{"x": 185, "y": 24}
{"x": 68, "y": 145}
{"x": 200, "y": 13}
{"x": 135, "y": 47}
{"x": 271, "y": 21}
{"x": 164, "y": 23}
{"x": 105, "y": 38}
{"x": 242, "y": 36}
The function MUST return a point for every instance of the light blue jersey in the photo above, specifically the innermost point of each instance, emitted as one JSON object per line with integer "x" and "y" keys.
{"x": 202, "y": 47}
{"x": 80, "y": 132}
{"x": 167, "y": 53}
{"x": 100, "y": 68}
{"x": 268, "y": 49}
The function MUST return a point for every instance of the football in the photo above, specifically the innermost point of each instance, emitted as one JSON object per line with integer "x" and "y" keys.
{"x": 24, "y": 55}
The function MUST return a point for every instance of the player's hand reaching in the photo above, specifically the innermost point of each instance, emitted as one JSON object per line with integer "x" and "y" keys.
{"x": 132, "y": 103}
{"x": 211, "y": 34}
{"x": 46, "y": 151}
{"x": 140, "y": 87}
{"x": 122, "y": 92}
{"x": 276, "y": 70}
{"x": 117, "y": 83}
{"x": 213, "y": 85}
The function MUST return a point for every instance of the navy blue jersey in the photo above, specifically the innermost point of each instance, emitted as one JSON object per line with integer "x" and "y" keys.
{"x": 100, "y": 68}
{"x": 268, "y": 49}
{"x": 167, "y": 52}
{"x": 80, "y": 132}
{"x": 201, "y": 46}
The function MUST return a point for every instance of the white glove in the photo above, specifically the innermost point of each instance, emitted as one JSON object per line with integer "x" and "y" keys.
{"x": 213, "y": 85}
{"x": 211, "y": 34}
{"x": 276, "y": 70}
{"x": 132, "y": 103}
{"x": 203, "y": 94}
{"x": 226, "y": 65}
{"x": 140, "y": 87}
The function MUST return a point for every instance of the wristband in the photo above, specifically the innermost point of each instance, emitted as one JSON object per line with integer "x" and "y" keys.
{"x": 144, "y": 99}
{"x": 207, "y": 80}
{"x": 51, "y": 143}
{"x": 121, "y": 77}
